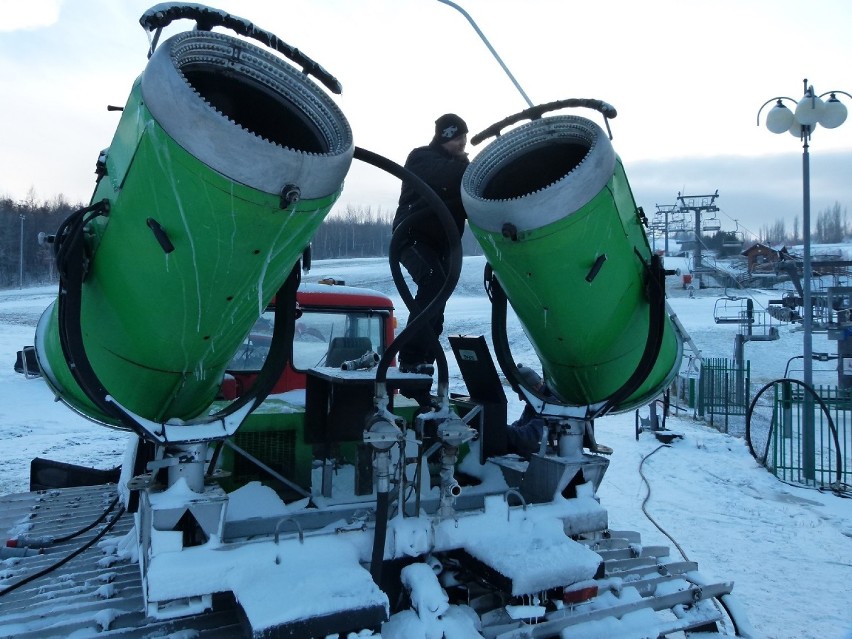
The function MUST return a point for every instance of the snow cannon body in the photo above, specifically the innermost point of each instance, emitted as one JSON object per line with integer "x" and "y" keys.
{"x": 550, "y": 204}
{"x": 225, "y": 161}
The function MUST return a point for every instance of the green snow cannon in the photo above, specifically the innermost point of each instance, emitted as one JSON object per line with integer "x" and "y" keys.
{"x": 225, "y": 161}
{"x": 550, "y": 205}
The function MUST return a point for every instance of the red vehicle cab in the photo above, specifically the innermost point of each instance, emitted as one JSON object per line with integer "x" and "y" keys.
{"x": 337, "y": 323}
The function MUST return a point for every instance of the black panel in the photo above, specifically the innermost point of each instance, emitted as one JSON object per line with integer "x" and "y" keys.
{"x": 485, "y": 390}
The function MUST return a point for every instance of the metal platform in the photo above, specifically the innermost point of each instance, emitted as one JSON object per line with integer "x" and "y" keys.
{"x": 96, "y": 594}
{"x": 99, "y": 593}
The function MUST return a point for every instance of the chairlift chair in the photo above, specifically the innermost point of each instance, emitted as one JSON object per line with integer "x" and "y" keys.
{"x": 711, "y": 224}
{"x": 730, "y": 310}
{"x": 733, "y": 240}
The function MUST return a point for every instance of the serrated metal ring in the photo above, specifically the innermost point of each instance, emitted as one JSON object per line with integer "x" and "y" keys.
{"x": 247, "y": 113}
{"x": 538, "y": 173}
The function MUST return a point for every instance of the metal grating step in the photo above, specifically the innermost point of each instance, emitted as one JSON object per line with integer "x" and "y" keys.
{"x": 96, "y": 594}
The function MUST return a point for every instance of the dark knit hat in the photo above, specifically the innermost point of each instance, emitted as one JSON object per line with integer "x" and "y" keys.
{"x": 448, "y": 127}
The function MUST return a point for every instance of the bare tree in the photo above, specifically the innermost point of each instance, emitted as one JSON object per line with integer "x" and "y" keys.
{"x": 831, "y": 225}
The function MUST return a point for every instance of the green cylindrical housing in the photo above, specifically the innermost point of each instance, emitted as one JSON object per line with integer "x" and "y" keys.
{"x": 224, "y": 163}
{"x": 551, "y": 206}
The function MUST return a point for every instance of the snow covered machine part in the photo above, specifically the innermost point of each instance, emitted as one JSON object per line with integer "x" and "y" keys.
{"x": 551, "y": 206}
{"x": 225, "y": 161}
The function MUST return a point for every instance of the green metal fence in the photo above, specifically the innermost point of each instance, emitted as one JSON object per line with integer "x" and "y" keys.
{"x": 812, "y": 452}
{"x": 723, "y": 391}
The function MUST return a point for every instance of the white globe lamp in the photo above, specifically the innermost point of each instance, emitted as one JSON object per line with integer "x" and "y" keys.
{"x": 779, "y": 119}
{"x": 809, "y": 109}
{"x": 834, "y": 113}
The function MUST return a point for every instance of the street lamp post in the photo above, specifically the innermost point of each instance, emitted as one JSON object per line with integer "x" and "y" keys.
{"x": 809, "y": 112}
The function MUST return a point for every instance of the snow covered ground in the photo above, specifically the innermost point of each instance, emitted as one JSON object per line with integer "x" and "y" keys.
{"x": 787, "y": 549}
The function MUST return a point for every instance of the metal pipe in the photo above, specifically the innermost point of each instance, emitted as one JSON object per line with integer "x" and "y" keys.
{"x": 450, "y": 488}
{"x": 490, "y": 48}
{"x": 284, "y": 520}
{"x": 274, "y": 473}
{"x": 517, "y": 494}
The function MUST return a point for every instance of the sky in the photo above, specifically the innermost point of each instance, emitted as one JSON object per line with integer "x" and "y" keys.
{"x": 686, "y": 76}
{"x": 786, "y": 548}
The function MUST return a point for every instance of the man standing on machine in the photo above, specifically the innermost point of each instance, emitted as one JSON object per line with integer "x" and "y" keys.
{"x": 424, "y": 251}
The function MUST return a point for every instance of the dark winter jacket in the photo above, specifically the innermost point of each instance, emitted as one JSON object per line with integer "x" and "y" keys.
{"x": 443, "y": 172}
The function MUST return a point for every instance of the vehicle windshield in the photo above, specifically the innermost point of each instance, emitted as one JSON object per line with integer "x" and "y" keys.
{"x": 321, "y": 338}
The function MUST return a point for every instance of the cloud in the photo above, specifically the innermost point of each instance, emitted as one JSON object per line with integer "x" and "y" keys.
{"x": 30, "y": 15}
{"x": 754, "y": 192}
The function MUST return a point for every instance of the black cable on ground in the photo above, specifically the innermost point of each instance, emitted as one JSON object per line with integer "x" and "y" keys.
{"x": 720, "y": 600}
{"x": 843, "y": 491}
{"x": 648, "y": 496}
{"x": 49, "y": 541}
{"x": 103, "y": 516}
{"x": 66, "y": 559}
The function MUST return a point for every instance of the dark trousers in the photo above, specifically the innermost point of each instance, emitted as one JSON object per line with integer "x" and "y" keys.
{"x": 427, "y": 267}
